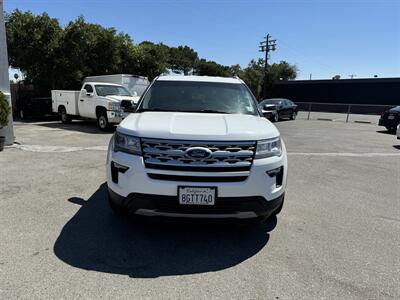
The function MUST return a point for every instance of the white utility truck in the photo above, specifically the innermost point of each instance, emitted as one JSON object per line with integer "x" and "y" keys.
{"x": 106, "y": 102}
{"x": 135, "y": 84}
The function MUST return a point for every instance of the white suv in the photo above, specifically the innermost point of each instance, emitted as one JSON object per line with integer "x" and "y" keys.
{"x": 197, "y": 147}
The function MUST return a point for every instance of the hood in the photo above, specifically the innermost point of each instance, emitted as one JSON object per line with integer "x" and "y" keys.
{"x": 116, "y": 98}
{"x": 198, "y": 126}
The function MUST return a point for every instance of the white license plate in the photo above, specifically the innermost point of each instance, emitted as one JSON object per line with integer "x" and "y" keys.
{"x": 391, "y": 117}
{"x": 197, "y": 195}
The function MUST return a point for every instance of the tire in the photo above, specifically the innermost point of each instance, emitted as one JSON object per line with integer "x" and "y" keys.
{"x": 390, "y": 129}
{"x": 275, "y": 118}
{"x": 65, "y": 118}
{"x": 293, "y": 116}
{"x": 102, "y": 121}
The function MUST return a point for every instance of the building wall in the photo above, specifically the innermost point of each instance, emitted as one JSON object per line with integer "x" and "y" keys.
{"x": 379, "y": 91}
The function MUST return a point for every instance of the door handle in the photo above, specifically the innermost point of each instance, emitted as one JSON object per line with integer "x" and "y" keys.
{"x": 81, "y": 100}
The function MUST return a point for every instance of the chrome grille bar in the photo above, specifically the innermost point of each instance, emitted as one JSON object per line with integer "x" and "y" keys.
{"x": 229, "y": 156}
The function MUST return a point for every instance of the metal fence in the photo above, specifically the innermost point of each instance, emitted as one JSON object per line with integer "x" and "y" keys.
{"x": 366, "y": 113}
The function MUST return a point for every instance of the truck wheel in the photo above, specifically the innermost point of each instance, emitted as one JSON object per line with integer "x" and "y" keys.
{"x": 65, "y": 118}
{"x": 102, "y": 121}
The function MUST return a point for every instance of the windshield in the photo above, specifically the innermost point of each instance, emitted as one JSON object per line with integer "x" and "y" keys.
{"x": 106, "y": 90}
{"x": 207, "y": 97}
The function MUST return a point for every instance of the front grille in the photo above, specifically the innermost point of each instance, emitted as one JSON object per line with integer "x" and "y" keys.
{"x": 171, "y": 155}
{"x": 197, "y": 178}
{"x": 127, "y": 106}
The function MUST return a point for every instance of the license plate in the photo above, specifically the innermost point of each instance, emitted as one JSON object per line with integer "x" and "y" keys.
{"x": 391, "y": 117}
{"x": 197, "y": 195}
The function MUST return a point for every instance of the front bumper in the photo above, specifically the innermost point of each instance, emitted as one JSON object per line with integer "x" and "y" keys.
{"x": 149, "y": 191}
{"x": 391, "y": 123}
{"x": 168, "y": 206}
{"x": 116, "y": 117}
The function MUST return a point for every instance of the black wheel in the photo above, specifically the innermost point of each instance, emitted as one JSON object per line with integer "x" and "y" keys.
{"x": 102, "y": 121}
{"x": 275, "y": 118}
{"x": 65, "y": 118}
{"x": 293, "y": 116}
{"x": 390, "y": 129}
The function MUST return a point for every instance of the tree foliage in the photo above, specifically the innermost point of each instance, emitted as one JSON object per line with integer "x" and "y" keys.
{"x": 52, "y": 56}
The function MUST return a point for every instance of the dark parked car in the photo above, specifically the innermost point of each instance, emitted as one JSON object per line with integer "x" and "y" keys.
{"x": 284, "y": 107}
{"x": 390, "y": 118}
{"x": 269, "y": 111}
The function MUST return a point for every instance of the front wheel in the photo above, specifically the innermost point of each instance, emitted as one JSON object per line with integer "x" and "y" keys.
{"x": 102, "y": 121}
{"x": 275, "y": 118}
{"x": 293, "y": 116}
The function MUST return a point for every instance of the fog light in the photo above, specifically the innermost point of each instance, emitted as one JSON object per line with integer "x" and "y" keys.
{"x": 115, "y": 169}
{"x": 274, "y": 172}
{"x": 278, "y": 174}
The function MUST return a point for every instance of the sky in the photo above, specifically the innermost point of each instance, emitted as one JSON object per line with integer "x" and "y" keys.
{"x": 323, "y": 38}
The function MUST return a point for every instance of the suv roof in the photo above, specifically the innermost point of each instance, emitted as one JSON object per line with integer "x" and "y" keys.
{"x": 200, "y": 79}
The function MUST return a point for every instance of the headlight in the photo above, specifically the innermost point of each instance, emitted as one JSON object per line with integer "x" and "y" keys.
{"x": 127, "y": 143}
{"x": 268, "y": 148}
{"x": 115, "y": 106}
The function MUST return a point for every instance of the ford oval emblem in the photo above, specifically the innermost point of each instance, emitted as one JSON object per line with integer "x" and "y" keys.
{"x": 198, "y": 152}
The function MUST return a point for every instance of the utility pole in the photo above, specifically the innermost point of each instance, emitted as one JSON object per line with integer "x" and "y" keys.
{"x": 352, "y": 76}
{"x": 266, "y": 46}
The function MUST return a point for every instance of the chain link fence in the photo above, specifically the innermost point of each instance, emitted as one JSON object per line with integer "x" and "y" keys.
{"x": 341, "y": 112}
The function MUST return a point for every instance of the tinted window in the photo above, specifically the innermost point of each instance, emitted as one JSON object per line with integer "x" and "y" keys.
{"x": 205, "y": 97}
{"x": 88, "y": 88}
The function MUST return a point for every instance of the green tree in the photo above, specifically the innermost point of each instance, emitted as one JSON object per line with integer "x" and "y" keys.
{"x": 253, "y": 75}
{"x": 182, "y": 58}
{"x": 32, "y": 46}
{"x": 153, "y": 59}
{"x": 211, "y": 68}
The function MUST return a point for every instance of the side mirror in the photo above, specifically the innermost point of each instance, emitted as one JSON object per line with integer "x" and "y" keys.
{"x": 89, "y": 94}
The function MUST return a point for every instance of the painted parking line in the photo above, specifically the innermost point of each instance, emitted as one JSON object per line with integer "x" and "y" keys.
{"x": 56, "y": 149}
{"x": 345, "y": 154}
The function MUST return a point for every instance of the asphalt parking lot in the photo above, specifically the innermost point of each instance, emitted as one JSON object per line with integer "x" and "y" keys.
{"x": 338, "y": 235}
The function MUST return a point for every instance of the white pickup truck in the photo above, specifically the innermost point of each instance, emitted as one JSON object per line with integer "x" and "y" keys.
{"x": 106, "y": 102}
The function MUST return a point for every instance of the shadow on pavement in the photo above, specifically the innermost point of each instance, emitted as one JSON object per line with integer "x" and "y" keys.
{"x": 81, "y": 126}
{"x": 386, "y": 132}
{"x": 396, "y": 147}
{"x": 97, "y": 240}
